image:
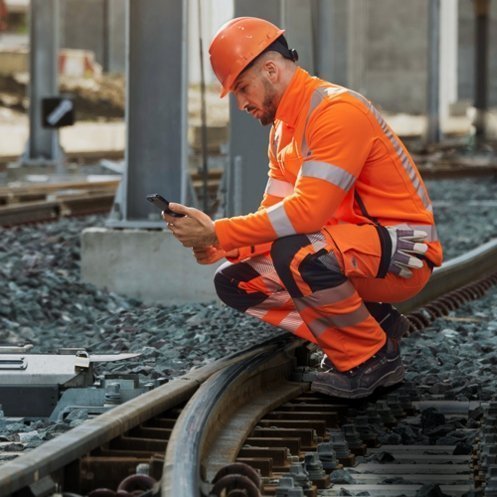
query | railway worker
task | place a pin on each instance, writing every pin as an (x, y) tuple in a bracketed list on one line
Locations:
[(345, 226)]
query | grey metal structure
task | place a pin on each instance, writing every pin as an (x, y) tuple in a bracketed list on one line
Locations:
[(433, 134), (248, 165), (482, 14), (357, 44), (156, 111), (247, 169), (297, 19), (30, 383), (114, 52), (324, 52), (43, 144)]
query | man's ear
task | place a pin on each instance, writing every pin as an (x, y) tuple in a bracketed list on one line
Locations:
[(272, 70)]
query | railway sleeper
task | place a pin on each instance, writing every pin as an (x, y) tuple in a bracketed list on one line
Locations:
[(411, 466)]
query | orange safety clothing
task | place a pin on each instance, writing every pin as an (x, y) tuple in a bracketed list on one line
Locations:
[(237, 43), (311, 289), (332, 159), (315, 255)]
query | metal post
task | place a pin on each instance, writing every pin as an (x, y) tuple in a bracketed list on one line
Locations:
[(116, 34), (296, 17), (105, 35), (248, 139), (324, 51), (357, 20), (43, 144), (156, 116), (433, 99), (482, 9)]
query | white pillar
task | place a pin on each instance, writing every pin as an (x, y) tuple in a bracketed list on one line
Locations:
[(448, 56)]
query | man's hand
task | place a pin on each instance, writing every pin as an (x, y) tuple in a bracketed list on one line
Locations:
[(406, 245), (196, 229), (211, 254), (208, 255)]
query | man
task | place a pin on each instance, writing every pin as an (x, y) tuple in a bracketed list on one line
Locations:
[(345, 226)]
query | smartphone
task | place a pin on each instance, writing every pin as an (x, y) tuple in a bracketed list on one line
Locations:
[(163, 204)]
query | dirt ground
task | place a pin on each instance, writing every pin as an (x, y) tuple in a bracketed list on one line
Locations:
[(94, 99), (103, 98)]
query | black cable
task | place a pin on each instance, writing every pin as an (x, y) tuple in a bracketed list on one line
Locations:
[(203, 118)]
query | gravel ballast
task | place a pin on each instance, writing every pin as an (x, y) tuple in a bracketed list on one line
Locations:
[(43, 302)]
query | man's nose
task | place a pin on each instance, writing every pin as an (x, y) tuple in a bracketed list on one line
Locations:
[(241, 102)]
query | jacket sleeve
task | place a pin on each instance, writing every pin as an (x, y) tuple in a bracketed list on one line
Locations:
[(276, 189), (339, 136)]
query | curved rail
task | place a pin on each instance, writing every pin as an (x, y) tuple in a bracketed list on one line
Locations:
[(455, 273), (214, 405)]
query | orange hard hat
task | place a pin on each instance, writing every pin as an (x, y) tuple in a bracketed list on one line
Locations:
[(237, 44)]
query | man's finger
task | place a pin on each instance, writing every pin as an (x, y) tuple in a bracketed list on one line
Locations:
[(408, 246), (412, 235), (183, 209), (412, 262), (420, 248)]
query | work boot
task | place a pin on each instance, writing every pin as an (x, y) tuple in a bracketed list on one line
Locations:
[(383, 369), (389, 318), (393, 323)]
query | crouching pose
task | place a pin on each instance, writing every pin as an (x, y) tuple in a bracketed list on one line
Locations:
[(345, 227)]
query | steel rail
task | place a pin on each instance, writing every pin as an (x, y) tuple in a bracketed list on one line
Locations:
[(30, 212), (50, 210), (455, 273), (214, 404), (57, 453)]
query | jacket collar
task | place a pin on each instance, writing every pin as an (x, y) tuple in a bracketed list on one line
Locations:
[(293, 98)]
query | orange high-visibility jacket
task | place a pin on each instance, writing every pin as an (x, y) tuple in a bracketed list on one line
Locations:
[(332, 159)]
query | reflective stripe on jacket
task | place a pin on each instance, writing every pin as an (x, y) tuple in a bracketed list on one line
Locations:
[(332, 159)]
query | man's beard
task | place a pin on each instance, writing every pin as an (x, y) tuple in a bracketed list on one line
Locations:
[(268, 105)]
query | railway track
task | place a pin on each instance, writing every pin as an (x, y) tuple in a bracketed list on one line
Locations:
[(248, 425), (21, 205), (46, 202)]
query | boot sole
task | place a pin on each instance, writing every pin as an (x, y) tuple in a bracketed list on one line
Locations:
[(392, 378)]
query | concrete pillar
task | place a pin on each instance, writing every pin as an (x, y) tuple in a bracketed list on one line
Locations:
[(43, 144), (150, 264), (156, 111)]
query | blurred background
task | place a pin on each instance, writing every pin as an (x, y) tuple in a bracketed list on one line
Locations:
[(380, 48)]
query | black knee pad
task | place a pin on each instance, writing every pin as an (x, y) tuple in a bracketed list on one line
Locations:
[(321, 271), (226, 283)]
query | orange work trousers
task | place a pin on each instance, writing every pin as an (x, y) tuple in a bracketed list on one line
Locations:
[(316, 286)]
